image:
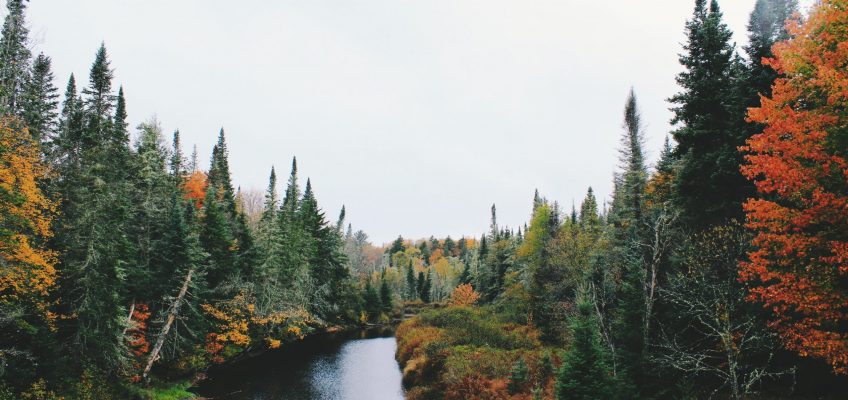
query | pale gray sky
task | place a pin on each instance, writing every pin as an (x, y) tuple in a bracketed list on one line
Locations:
[(417, 115)]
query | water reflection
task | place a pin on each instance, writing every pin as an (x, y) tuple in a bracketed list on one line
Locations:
[(330, 367)]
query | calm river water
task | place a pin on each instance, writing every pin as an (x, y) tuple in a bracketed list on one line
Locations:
[(327, 367)]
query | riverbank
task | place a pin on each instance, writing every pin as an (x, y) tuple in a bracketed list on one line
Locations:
[(459, 353), (327, 365)]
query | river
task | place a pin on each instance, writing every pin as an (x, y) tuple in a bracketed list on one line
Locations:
[(349, 366)]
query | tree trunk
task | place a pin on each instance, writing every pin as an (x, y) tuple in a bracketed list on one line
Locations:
[(172, 315)]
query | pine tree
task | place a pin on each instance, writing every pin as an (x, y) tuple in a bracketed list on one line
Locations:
[(14, 58), (39, 100), (709, 186)]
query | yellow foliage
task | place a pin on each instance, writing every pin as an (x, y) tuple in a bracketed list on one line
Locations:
[(28, 272)]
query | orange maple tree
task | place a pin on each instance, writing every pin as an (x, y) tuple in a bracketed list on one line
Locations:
[(799, 265), (464, 295), (194, 188), (27, 272)]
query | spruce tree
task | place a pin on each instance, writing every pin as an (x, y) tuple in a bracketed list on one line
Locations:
[(709, 187), (14, 57), (39, 100), (153, 190), (94, 235), (584, 374)]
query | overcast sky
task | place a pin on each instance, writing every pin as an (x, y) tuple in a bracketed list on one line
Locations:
[(416, 115)]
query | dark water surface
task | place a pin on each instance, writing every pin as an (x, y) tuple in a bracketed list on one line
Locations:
[(351, 366)]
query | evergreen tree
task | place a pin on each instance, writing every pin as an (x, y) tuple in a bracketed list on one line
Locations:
[(373, 307), (411, 287), (94, 234), (709, 186), (39, 100), (427, 286), (153, 190), (14, 57), (419, 285), (518, 376), (766, 26), (584, 374), (386, 296), (176, 164)]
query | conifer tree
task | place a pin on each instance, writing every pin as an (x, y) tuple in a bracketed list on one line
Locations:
[(584, 374), (411, 289), (94, 234), (766, 26), (153, 190), (386, 296), (14, 57), (39, 100), (709, 186)]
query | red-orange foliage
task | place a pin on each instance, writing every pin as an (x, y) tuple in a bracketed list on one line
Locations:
[(464, 295), (194, 188), (137, 332), (799, 265)]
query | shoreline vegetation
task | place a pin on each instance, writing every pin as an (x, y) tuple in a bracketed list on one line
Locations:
[(720, 271)]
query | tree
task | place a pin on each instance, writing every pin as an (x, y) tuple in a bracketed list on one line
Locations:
[(715, 338), (541, 273), (798, 163), (584, 374), (93, 235), (14, 57), (373, 307), (709, 187), (28, 276), (39, 100), (766, 26), (518, 376), (386, 296), (411, 287), (463, 295)]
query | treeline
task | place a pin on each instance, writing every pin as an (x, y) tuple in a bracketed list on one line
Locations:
[(122, 255), (720, 271)]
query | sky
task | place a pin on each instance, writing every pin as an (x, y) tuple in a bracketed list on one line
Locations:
[(417, 115)]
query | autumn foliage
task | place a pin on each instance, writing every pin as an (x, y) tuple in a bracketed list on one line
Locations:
[(194, 188), (27, 274), (464, 295), (799, 163)]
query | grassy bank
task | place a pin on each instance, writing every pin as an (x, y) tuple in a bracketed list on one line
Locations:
[(469, 352)]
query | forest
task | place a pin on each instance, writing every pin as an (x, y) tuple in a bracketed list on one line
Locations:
[(720, 271)]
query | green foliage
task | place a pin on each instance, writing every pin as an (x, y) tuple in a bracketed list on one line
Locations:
[(518, 376), (585, 373)]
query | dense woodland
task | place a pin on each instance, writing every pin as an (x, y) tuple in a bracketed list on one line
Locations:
[(720, 271)]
